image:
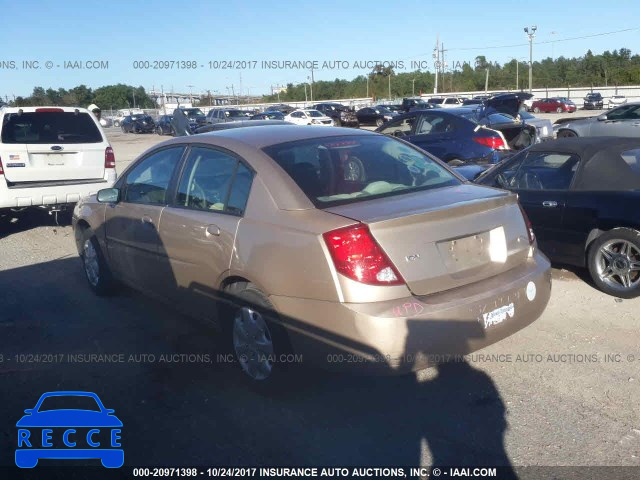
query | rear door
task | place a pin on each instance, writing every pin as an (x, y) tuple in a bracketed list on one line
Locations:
[(50, 144), (197, 232), (435, 133), (131, 225)]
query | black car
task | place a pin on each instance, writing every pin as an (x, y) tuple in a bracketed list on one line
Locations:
[(375, 115), (593, 101), (409, 104), (466, 134), (164, 126), (268, 115), (196, 117), (341, 115), (582, 195), (138, 124), (281, 107)]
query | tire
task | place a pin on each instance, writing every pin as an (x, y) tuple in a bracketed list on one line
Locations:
[(536, 110), (253, 312), (613, 261), (559, 110), (566, 134), (123, 129), (159, 130), (95, 267), (116, 123), (379, 122)]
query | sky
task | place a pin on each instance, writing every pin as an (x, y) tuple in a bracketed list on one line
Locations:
[(129, 38)]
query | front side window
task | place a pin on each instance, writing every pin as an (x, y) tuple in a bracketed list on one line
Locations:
[(628, 112), (350, 169), (148, 181), (207, 179), (539, 171), (403, 126)]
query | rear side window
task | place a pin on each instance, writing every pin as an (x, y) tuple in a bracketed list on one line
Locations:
[(50, 127), (349, 169)]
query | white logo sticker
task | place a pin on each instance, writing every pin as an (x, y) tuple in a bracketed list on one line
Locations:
[(498, 315), (531, 291)]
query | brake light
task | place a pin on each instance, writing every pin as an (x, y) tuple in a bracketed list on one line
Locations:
[(357, 255), (45, 110), (527, 222), (494, 142), (109, 158), (1, 170)]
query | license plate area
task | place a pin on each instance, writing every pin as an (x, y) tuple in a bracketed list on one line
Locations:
[(465, 253)]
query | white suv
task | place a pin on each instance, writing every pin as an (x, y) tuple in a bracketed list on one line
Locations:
[(52, 156)]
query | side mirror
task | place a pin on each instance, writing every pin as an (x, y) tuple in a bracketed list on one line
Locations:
[(602, 117), (108, 195)]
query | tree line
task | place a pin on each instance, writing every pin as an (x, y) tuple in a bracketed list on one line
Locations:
[(107, 97)]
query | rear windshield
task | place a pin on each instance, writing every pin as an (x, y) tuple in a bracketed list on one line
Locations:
[(338, 170), (50, 127)]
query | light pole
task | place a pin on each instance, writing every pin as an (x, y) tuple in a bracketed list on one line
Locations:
[(190, 94), (413, 87), (530, 32)]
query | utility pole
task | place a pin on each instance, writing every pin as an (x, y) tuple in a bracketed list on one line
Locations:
[(486, 82), (443, 64), (311, 86), (413, 87), (530, 32), (305, 93), (389, 85), (436, 57)]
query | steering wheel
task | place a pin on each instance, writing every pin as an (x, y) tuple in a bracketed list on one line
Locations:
[(354, 170), (199, 200)]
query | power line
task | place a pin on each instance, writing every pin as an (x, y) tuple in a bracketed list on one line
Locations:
[(535, 43)]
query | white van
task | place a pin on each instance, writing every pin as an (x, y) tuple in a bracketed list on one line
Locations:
[(52, 156)]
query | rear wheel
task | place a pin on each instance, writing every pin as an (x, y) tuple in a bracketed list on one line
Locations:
[(614, 262), (566, 134), (257, 337), (116, 123), (559, 109), (95, 267), (536, 110), (159, 130)]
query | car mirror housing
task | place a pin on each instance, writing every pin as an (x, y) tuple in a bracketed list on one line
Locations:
[(108, 195), (602, 117)]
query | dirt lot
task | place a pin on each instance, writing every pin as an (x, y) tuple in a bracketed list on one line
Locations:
[(561, 392)]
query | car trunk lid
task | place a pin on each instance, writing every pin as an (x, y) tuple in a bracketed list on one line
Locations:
[(446, 238)]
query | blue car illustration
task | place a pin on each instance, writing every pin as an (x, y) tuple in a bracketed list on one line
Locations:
[(51, 430)]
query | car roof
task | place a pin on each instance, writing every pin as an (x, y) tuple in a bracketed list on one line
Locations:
[(33, 109), (264, 136)]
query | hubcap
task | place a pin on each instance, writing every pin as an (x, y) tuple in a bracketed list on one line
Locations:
[(618, 265), (91, 267), (252, 343)]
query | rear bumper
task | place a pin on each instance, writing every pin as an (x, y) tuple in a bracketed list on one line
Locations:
[(29, 196), (398, 336)]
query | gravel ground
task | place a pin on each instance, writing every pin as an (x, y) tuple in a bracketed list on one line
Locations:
[(561, 392)]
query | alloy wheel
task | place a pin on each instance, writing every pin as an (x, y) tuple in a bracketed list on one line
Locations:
[(618, 264)]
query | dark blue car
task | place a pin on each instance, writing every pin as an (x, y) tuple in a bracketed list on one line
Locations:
[(69, 425), (478, 134)]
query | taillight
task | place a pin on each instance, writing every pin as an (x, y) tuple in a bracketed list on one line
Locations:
[(109, 158), (357, 256), (1, 170), (494, 142), (49, 110), (527, 222)]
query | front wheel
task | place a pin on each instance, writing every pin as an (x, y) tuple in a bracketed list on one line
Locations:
[(95, 267), (614, 262), (536, 110), (379, 122)]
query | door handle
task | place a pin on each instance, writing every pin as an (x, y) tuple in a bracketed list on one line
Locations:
[(146, 219), (212, 230), (549, 203)]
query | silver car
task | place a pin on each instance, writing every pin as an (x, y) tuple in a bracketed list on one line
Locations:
[(623, 121)]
